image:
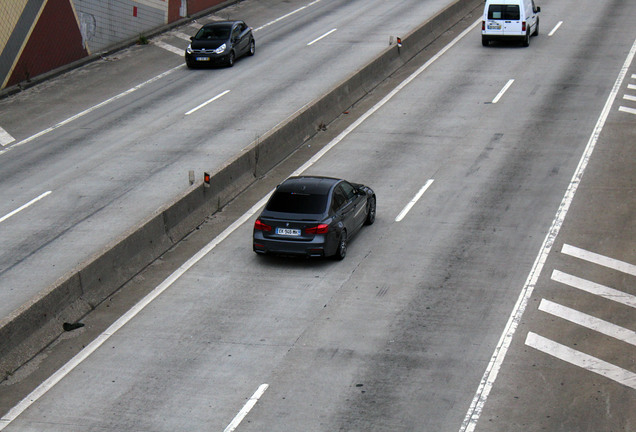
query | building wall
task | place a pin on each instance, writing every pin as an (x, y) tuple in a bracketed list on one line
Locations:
[(37, 36)]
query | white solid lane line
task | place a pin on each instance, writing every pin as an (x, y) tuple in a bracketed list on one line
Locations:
[(594, 288), (33, 201), (415, 199), (599, 259), (50, 382), (629, 97), (588, 321), (247, 408), (556, 27), (321, 37), (631, 86), (220, 95), (627, 110), (5, 138), (503, 90), (583, 360)]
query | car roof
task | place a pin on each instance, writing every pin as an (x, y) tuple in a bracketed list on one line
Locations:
[(308, 184)]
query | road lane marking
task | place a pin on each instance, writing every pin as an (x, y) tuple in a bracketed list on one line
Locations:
[(247, 408), (556, 27), (631, 86), (207, 102), (627, 110), (415, 199), (594, 288), (503, 90), (602, 260), (50, 382), (588, 321), (30, 203), (93, 108), (498, 356), (583, 360), (5, 138), (137, 87), (287, 15), (182, 35), (168, 47), (629, 97), (321, 37)]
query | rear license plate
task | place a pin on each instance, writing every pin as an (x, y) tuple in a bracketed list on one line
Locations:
[(288, 231), (494, 26), (203, 58)]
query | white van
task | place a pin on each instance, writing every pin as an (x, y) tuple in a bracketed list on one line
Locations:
[(509, 20)]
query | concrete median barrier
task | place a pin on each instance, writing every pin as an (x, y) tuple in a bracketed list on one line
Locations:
[(36, 324)]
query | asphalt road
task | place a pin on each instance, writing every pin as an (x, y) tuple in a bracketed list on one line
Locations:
[(97, 151), (457, 316)]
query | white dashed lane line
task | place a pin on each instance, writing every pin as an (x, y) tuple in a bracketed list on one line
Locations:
[(30, 203), (322, 37), (556, 27), (503, 90)]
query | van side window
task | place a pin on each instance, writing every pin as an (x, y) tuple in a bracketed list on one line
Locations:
[(505, 12)]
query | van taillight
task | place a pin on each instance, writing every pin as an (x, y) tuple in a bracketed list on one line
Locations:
[(483, 25), (260, 226), (319, 229), (523, 26)]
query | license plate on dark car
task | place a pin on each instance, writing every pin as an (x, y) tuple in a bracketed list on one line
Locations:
[(203, 58), (288, 231)]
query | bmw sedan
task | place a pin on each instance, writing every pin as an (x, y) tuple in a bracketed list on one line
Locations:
[(313, 216), (220, 43)]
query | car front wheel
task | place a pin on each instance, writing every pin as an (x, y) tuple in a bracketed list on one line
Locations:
[(252, 49), (230, 59), (371, 212)]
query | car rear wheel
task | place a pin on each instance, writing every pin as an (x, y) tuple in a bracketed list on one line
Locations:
[(252, 49), (526, 40), (485, 41), (341, 252), (536, 29), (371, 212)]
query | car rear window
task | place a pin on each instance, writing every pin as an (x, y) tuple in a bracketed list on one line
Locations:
[(505, 12), (293, 202)]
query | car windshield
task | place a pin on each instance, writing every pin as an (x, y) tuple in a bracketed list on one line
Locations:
[(293, 202), (213, 33)]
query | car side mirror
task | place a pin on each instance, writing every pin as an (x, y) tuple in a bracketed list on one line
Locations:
[(538, 9), (191, 38)]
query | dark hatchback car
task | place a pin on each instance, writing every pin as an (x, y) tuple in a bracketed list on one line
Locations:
[(313, 216), (220, 43)]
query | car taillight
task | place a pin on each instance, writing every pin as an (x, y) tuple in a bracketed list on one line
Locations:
[(258, 225), (319, 229), (523, 26), (483, 25)]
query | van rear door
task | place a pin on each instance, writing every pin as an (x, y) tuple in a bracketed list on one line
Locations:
[(504, 19)]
